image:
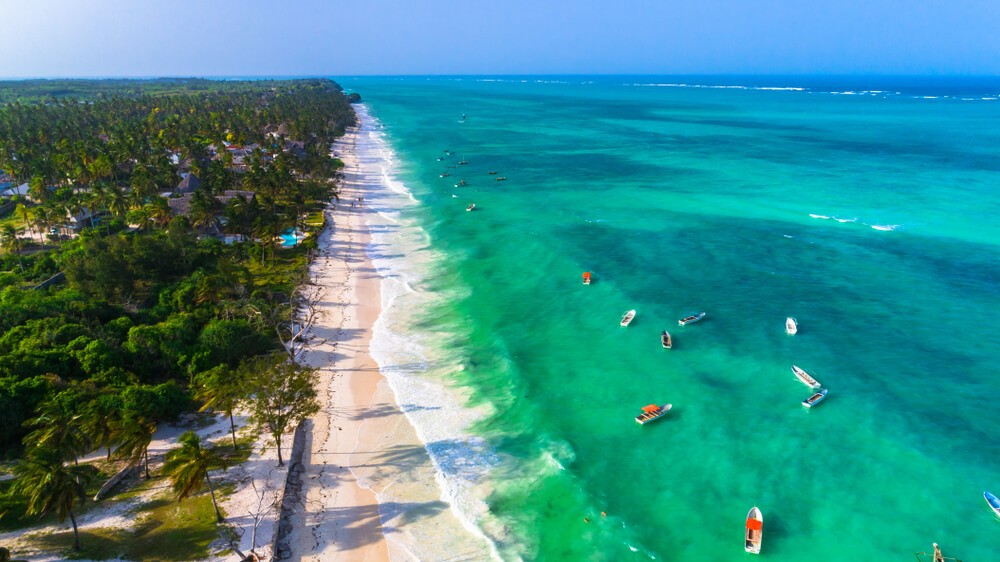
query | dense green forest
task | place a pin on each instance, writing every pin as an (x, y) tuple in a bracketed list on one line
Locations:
[(149, 304)]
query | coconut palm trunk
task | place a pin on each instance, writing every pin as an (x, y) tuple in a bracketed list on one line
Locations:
[(211, 490), (76, 531)]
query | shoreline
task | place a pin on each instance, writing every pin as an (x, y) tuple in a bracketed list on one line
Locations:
[(361, 443)]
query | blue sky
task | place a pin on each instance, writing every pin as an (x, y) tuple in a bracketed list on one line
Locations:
[(351, 37)]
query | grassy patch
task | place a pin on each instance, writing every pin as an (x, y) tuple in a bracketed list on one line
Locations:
[(165, 530), (235, 456), (13, 507), (315, 219)]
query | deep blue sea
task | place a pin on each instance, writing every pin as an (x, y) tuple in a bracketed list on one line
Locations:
[(866, 208)]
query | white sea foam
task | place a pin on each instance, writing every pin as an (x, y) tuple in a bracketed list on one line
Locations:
[(815, 216), (855, 219), (415, 368), (718, 86), (886, 226)]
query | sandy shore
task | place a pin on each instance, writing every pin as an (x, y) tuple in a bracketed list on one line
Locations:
[(361, 443)]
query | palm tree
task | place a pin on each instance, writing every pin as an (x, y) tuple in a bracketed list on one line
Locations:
[(222, 389), (51, 485), (22, 211), (188, 468), (11, 243), (58, 429), (134, 436)]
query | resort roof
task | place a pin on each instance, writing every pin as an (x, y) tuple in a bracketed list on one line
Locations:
[(189, 184)]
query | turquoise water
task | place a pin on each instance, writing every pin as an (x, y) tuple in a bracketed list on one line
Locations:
[(868, 216)]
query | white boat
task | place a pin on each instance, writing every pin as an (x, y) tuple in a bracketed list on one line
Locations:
[(755, 530), (652, 412), (627, 319), (470, 207), (690, 319), (586, 278), (665, 340), (816, 398), (993, 502), (805, 377), (791, 325)]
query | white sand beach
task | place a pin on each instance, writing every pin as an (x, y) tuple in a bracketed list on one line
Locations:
[(361, 443)]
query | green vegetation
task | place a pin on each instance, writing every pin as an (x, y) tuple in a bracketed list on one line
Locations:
[(165, 530), (152, 305), (188, 466)]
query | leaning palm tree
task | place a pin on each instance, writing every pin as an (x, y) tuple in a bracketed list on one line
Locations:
[(134, 436), (51, 485), (188, 466)]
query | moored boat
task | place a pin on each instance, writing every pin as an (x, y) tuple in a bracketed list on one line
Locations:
[(665, 340), (816, 398), (627, 319), (690, 319), (755, 530), (445, 174), (492, 172), (470, 207), (791, 325), (462, 183), (993, 502), (652, 412), (586, 278), (501, 178), (805, 377)]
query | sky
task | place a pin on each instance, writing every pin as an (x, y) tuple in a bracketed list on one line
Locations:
[(84, 38)]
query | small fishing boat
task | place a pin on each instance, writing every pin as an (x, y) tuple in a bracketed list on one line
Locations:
[(444, 175), (627, 319), (805, 377), (690, 319), (652, 412), (440, 158), (462, 183), (665, 340), (470, 207), (816, 398), (791, 325), (938, 555), (492, 173), (993, 502), (755, 530), (586, 278), (462, 162), (501, 178)]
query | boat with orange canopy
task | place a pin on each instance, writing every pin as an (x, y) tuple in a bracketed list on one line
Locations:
[(755, 530), (652, 412), (586, 278)]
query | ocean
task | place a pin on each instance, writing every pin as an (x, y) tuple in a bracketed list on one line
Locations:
[(866, 208)]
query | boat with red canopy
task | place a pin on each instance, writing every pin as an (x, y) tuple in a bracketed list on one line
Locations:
[(586, 278), (755, 530), (652, 412)]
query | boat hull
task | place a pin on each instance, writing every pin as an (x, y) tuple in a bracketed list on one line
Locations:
[(791, 326), (805, 377), (816, 398), (754, 531), (690, 319), (647, 417), (993, 502), (627, 319), (665, 340)]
